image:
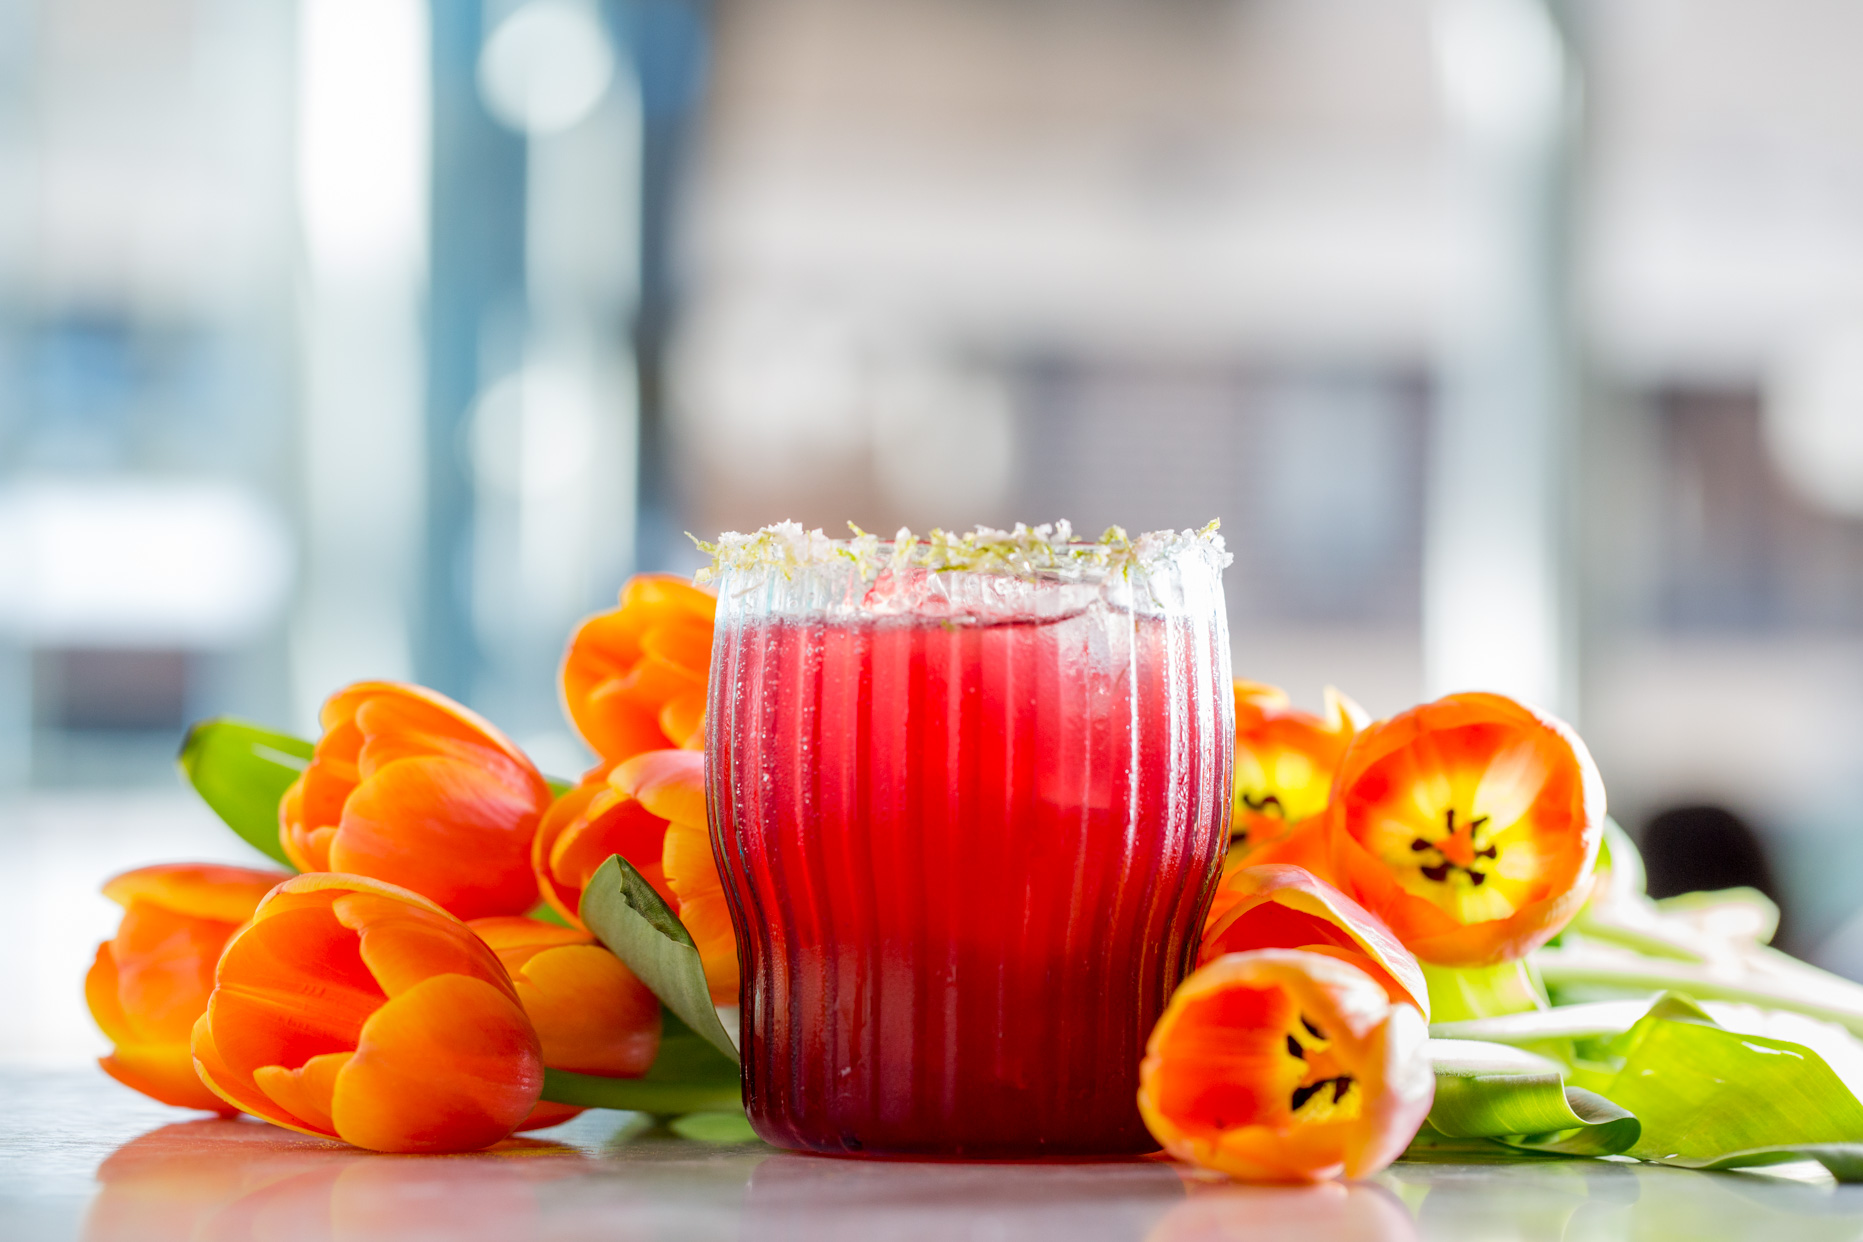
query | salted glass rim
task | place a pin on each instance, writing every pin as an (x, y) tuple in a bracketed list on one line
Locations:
[(1049, 552)]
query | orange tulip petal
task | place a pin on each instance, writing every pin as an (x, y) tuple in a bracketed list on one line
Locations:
[(1287, 907), (617, 825), (404, 945), (517, 934), (163, 1072), (682, 720), (446, 829), (307, 848), (670, 783), (233, 1085), (592, 1015), (567, 812), (692, 874), (684, 642), (101, 995), (653, 681), (451, 1064), (305, 1092), (164, 969), (615, 725), (291, 986), (670, 593), (201, 890)]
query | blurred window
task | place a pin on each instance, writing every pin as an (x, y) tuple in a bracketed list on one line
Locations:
[(1316, 472), (1741, 551)]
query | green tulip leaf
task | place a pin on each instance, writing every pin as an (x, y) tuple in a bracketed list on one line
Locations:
[(1843, 1161), (1513, 1097), (1593, 1020), (242, 770), (622, 909), (1707, 1095)]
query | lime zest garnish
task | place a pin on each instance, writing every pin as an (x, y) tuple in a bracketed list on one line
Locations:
[(1043, 551)]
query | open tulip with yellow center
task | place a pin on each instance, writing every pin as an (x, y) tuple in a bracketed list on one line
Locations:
[(1469, 826), (1278, 1065), (1285, 761)]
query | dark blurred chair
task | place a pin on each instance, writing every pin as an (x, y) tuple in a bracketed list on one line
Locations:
[(1701, 848)]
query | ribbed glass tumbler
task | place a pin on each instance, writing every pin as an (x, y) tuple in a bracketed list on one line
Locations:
[(969, 812)]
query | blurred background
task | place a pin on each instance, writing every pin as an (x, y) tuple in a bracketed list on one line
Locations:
[(1517, 344)]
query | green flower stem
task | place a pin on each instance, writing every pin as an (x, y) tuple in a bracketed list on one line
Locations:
[(1458, 994), (1757, 979), (662, 1099)]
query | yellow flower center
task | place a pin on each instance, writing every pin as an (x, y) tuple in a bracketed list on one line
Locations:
[(1325, 1092)]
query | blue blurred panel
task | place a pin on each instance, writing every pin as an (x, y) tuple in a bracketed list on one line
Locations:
[(667, 42), (477, 279)]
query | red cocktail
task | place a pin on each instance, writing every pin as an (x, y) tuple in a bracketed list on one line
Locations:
[(969, 819)]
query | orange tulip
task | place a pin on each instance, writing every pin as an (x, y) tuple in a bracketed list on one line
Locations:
[(1283, 907), (150, 983), (634, 677), (1285, 760), (409, 787), (1469, 825), (1282, 1066), (357, 1010)]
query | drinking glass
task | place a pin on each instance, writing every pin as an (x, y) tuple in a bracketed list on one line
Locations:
[(969, 800)]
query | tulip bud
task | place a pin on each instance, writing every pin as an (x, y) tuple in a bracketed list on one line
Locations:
[(411, 788), (634, 677), (357, 1010), (150, 983)]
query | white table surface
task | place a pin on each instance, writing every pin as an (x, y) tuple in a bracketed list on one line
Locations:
[(81, 1157)]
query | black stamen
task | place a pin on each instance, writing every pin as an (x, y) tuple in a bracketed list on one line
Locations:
[(1451, 817), (1311, 1029), (1476, 823), (1477, 878), (1439, 873), (1266, 801), (1419, 845), (1340, 1085), (1493, 851), (1294, 1049)]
